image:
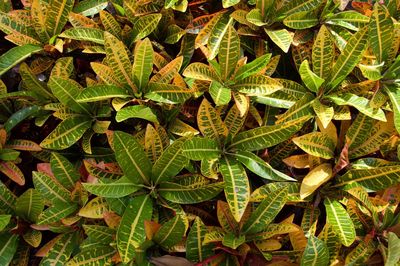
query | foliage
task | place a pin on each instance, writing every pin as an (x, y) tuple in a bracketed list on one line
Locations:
[(205, 132)]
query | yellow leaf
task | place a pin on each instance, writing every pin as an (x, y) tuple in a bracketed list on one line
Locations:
[(314, 179)]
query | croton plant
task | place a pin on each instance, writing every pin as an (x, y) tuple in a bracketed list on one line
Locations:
[(204, 132)]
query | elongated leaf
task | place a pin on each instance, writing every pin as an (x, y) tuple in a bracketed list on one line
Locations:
[(266, 212), (95, 209), (145, 25), (132, 158), (90, 7), (31, 82), (29, 205), (317, 144), (170, 232), (62, 249), (315, 253), (7, 199), (219, 94), (4, 220), (323, 53), (217, 34), (195, 250), (167, 93), (314, 179), (67, 91), (380, 32), (201, 148), (237, 187), (118, 59), (56, 213), (200, 71), (340, 221), (298, 6), (67, 133), (229, 52), (57, 15), (84, 34), (351, 20), (324, 113), (282, 38), (301, 20), (394, 96), (117, 189), (49, 188), (361, 253), (209, 122), (393, 245), (190, 190), (170, 163), (16, 55), (266, 136), (63, 170), (136, 111), (373, 178), (349, 58), (360, 103), (143, 64), (101, 92), (257, 85), (234, 120), (101, 255), (9, 247), (131, 232), (252, 68), (19, 116), (260, 167), (310, 79)]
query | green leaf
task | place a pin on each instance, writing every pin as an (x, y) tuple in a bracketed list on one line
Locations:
[(340, 221), (170, 233), (323, 53), (257, 85), (232, 241), (145, 25), (143, 64), (393, 256), (301, 20), (323, 112), (372, 178), (361, 253), (118, 60), (132, 158), (237, 187), (97, 93), (170, 163), (217, 35), (16, 55), (64, 171), (29, 205), (190, 189), (57, 15), (349, 58), (101, 255), (351, 20), (301, 109), (167, 93), (118, 189), (19, 116), (99, 233), (394, 96), (315, 253), (56, 213), (136, 111), (49, 188), (220, 94), (266, 136), (9, 244), (254, 67), (131, 231), (90, 7), (310, 79), (62, 249), (266, 212), (317, 144), (360, 103), (380, 32), (31, 82), (229, 52), (201, 148), (296, 6), (4, 221), (195, 250), (67, 133), (260, 167), (84, 34), (282, 38), (67, 91), (200, 71), (7, 199)]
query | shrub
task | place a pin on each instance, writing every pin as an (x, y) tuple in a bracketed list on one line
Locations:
[(206, 132)]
